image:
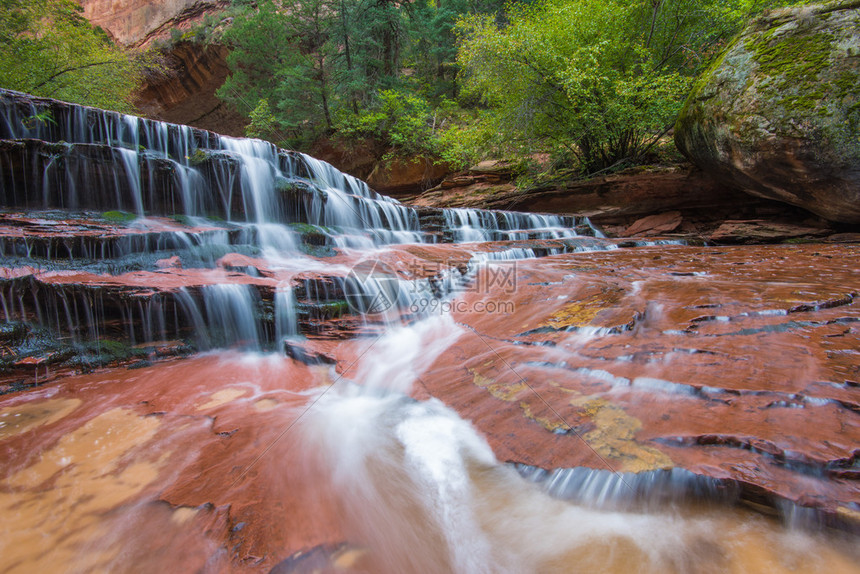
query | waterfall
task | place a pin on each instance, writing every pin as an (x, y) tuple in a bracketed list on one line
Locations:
[(226, 195), (178, 170), (347, 314), (468, 225), (286, 320)]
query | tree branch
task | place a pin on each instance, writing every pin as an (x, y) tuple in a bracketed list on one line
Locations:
[(71, 69)]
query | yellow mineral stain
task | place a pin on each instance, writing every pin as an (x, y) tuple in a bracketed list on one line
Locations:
[(349, 558), (54, 510), (264, 405), (552, 424), (615, 436), (510, 392), (221, 397), (503, 391), (22, 418), (583, 312)]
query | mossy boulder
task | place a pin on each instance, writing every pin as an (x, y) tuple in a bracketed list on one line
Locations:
[(778, 114)]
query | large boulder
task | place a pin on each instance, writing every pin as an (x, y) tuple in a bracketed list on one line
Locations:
[(403, 177), (778, 114)]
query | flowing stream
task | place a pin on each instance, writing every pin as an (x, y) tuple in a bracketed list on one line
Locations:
[(423, 491), (337, 457)]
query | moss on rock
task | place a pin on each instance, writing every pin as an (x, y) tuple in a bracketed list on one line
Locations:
[(777, 114)]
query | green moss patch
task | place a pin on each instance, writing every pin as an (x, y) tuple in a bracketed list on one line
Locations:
[(119, 216)]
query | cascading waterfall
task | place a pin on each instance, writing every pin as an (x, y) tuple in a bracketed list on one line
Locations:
[(198, 168), (469, 225), (246, 195), (235, 243), (171, 169)]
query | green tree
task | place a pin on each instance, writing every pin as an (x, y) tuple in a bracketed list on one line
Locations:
[(263, 123), (686, 34), (286, 54), (329, 66), (566, 77), (594, 83), (48, 48), (431, 50), (402, 122)]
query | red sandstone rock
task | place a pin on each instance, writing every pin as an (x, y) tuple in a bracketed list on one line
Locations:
[(131, 22), (733, 363), (169, 263), (185, 93), (697, 343), (615, 201), (398, 176), (655, 224), (759, 231)]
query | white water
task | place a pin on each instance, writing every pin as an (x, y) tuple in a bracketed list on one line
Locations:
[(240, 180), (422, 492)]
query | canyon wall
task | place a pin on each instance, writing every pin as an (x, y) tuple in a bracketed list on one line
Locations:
[(185, 92)]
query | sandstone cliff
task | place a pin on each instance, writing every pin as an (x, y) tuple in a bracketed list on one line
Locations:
[(185, 93)]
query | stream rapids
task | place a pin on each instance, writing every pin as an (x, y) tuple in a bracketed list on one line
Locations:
[(311, 377)]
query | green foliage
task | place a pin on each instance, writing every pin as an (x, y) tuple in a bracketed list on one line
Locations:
[(47, 48), (263, 122), (44, 117), (594, 83), (324, 65), (199, 157), (565, 78), (286, 57), (403, 122)]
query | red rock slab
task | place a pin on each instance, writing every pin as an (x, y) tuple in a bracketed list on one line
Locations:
[(34, 224), (762, 231), (716, 360), (16, 272), (655, 224), (162, 280), (173, 466)]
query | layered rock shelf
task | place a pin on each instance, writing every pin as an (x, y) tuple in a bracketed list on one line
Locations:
[(250, 362)]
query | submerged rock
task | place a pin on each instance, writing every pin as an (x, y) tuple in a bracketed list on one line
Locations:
[(778, 114)]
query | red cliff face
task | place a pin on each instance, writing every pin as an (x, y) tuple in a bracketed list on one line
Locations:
[(185, 94), (134, 23)]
